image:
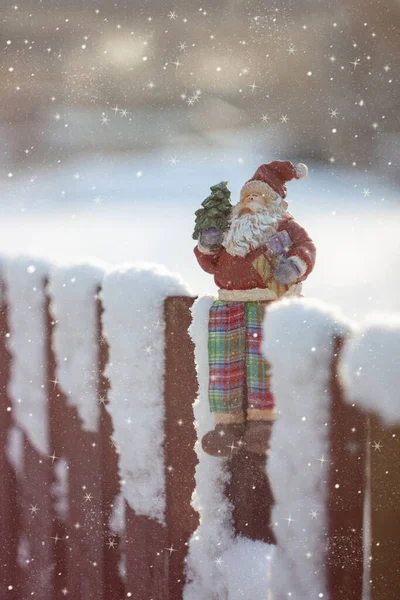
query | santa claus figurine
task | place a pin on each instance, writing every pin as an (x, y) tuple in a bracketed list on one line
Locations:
[(263, 256)]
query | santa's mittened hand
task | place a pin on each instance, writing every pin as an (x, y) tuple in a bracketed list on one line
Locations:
[(286, 271), (211, 238)]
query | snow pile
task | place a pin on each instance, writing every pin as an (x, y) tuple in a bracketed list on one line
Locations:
[(369, 367), (246, 567), (27, 344), (206, 579), (298, 336), (133, 322), (73, 307)]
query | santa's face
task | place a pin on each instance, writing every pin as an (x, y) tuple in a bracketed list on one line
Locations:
[(255, 202), (254, 220)]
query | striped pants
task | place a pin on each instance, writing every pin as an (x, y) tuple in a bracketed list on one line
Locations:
[(238, 373)]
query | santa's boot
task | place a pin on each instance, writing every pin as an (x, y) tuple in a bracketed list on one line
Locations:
[(258, 430), (226, 438)]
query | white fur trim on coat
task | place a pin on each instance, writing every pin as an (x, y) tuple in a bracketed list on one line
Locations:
[(252, 295), (258, 187), (299, 262), (256, 294)]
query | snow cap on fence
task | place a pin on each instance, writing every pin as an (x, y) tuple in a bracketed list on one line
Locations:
[(133, 321), (73, 306), (214, 535), (369, 367), (26, 299), (298, 342)]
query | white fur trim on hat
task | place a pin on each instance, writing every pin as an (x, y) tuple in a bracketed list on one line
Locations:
[(258, 187), (301, 170)]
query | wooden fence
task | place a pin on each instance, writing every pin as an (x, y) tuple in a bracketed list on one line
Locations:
[(79, 557)]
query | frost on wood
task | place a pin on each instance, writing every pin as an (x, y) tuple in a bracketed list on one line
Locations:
[(117, 524), (298, 341), (74, 310), (117, 518), (133, 322), (15, 449), (369, 367), (24, 554), (59, 489), (27, 344), (205, 577)]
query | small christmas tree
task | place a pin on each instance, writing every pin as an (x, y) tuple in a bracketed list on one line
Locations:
[(216, 211)]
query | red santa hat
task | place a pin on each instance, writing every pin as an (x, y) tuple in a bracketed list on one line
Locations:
[(273, 176)]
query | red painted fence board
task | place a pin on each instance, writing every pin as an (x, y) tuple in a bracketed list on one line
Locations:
[(113, 586), (385, 513), (9, 508), (346, 491), (180, 437)]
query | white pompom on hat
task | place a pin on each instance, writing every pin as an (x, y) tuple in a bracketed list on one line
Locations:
[(301, 170)]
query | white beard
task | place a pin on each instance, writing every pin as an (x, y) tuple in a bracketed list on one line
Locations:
[(252, 230)]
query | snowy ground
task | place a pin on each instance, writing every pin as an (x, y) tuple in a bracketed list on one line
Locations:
[(140, 209)]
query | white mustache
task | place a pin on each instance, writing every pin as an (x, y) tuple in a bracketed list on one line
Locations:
[(250, 230)]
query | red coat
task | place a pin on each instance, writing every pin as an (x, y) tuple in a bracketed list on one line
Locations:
[(255, 270)]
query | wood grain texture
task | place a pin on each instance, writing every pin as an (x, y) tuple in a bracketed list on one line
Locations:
[(346, 492)]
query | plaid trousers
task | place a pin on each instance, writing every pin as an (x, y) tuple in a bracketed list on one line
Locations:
[(237, 368)]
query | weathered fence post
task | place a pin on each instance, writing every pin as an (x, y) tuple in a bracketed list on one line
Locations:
[(346, 492), (156, 554), (114, 588), (35, 510), (59, 423), (385, 510), (180, 437), (9, 518), (251, 496), (81, 547)]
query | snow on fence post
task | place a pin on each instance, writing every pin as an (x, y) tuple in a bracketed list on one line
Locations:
[(27, 387), (317, 460), (133, 324), (73, 361), (9, 522)]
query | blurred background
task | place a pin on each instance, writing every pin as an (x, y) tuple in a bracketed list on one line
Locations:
[(118, 116)]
